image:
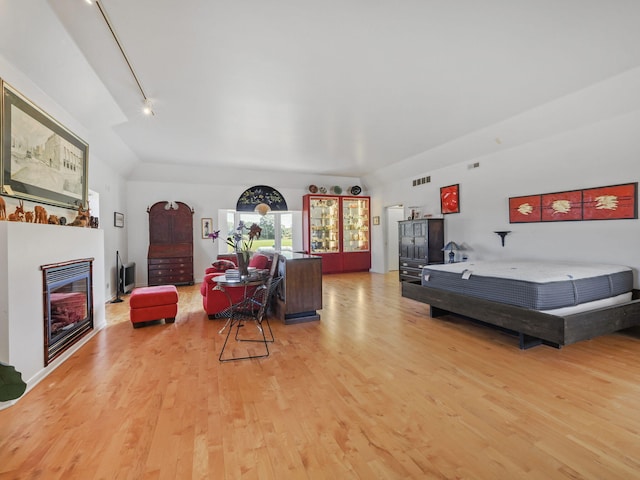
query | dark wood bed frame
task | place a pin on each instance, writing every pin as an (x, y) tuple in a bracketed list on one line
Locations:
[(532, 327)]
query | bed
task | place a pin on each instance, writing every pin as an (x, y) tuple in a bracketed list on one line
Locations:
[(543, 303)]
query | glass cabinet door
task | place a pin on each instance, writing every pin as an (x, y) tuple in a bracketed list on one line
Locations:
[(355, 224), (323, 224)]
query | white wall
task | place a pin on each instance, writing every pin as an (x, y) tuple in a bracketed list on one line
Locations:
[(602, 153), (113, 194), (24, 248)]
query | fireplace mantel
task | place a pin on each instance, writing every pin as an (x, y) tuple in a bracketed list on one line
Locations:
[(24, 247)]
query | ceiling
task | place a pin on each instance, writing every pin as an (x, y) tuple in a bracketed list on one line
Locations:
[(338, 87)]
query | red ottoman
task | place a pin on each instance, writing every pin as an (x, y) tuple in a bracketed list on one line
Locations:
[(153, 303)]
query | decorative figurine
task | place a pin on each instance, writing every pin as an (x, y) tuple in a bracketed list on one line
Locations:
[(41, 214), (82, 219), (18, 215)]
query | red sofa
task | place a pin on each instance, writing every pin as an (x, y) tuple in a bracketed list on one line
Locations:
[(216, 301)]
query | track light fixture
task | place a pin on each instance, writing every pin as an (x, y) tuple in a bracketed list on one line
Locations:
[(147, 108)]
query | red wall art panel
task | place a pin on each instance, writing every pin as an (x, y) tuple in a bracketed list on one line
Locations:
[(450, 199), (525, 209), (562, 206), (612, 202)]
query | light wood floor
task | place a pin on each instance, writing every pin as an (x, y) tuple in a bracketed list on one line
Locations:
[(375, 390)]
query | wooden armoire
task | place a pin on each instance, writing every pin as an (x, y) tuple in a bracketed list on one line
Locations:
[(170, 255), (420, 242)]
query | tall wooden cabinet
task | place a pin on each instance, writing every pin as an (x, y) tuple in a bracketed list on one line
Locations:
[(170, 255), (337, 228), (420, 244)]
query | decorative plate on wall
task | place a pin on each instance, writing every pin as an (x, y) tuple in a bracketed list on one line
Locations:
[(355, 190)]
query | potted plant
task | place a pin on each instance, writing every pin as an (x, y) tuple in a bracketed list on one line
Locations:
[(11, 384)]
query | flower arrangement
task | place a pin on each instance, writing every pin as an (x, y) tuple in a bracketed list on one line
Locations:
[(213, 235), (242, 244)]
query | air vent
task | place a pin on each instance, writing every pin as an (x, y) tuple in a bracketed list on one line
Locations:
[(421, 181), (474, 165)]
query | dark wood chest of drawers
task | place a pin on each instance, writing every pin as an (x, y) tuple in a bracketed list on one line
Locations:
[(170, 264)]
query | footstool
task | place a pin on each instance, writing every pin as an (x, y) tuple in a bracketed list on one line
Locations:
[(153, 303)]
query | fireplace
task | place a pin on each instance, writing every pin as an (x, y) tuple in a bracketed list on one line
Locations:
[(68, 304)]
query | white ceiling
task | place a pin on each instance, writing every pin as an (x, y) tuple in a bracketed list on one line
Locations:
[(338, 87)]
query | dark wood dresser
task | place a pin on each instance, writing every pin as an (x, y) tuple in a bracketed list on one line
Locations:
[(170, 255)]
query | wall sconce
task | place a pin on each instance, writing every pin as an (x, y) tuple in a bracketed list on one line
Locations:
[(503, 234), (452, 247)]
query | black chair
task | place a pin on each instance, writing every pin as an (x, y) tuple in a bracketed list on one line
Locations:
[(253, 309)]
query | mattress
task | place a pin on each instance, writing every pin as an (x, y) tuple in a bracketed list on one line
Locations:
[(534, 285)]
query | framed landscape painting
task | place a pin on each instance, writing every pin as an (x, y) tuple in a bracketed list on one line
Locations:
[(118, 219), (41, 160)]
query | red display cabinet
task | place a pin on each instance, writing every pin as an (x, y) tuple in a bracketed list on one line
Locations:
[(337, 228)]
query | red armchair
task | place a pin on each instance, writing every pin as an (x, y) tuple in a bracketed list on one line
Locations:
[(216, 301)]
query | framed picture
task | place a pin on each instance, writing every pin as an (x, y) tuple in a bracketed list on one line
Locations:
[(207, 227), (450, 199), (41, 160), (376, 220), (562, 206), (611, 203), (525, 209), (118, 219)]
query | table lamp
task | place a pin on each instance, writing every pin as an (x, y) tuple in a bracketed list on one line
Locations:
[(452, 247)]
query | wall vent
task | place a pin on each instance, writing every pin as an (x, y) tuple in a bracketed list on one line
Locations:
[(421, 181)]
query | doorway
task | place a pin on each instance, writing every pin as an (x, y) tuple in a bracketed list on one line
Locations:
[(395, 213)]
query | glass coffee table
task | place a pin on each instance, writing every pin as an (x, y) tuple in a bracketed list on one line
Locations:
[(223, 283)]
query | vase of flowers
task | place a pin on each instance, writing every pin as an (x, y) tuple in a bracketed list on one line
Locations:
[(241, 243)]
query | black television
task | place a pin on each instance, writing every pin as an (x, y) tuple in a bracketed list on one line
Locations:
[(127, 277)]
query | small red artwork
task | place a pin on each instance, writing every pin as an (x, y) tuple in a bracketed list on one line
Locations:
[(612, 202), (525, 209), (450, 199), (562, 206)]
